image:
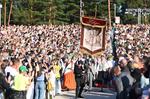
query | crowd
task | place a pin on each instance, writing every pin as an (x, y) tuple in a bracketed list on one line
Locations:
[(132, 69), (45, 52), (41, 61), (133, 39)]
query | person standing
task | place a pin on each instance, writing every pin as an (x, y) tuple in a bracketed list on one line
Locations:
[(69, 77), (31, 73), (91, 74), (57, 69), (12, 70), (78, 70), (21, 83), (118, 82), (40, 82), (51, 80), (4, 82)]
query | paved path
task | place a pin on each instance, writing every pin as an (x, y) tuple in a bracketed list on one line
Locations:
[(94, 94)]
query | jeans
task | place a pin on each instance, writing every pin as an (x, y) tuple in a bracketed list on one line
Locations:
[(40, 90), (1, 96), (58, 86)]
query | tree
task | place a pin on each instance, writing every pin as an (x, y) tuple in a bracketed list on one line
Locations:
[(57, 12), (71, 11), (10, 11), (4, 3), (98, 7), (63, 11), (31, 12)]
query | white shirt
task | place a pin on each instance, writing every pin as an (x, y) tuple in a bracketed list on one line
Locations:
[(13, 72), (110, 63)]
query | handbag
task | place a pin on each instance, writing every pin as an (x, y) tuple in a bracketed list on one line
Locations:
[(49, 86)]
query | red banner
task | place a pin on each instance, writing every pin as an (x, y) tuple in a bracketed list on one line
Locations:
[(94, 21)]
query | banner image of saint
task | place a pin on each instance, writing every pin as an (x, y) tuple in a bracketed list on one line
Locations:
[(93, 35), (92, 38)]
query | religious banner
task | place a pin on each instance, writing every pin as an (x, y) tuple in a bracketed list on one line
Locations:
[(93, 35)]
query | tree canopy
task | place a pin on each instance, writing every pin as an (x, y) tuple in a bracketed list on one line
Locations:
[(31, 12)]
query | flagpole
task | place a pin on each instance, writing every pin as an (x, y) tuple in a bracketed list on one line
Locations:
[(81, 10)]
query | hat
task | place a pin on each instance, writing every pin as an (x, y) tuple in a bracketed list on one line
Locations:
[(23, 69)]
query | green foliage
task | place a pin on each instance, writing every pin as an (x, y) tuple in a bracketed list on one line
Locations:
[(98, 7), (66, 11)]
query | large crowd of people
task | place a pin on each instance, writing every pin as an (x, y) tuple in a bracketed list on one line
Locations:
[(38, 62), (133, 39), (44, 51), (133, 52)]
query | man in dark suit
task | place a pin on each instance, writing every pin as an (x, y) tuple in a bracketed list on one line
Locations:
[(79, 77)]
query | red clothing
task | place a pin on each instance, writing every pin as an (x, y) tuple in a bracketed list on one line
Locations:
[(69, 81)]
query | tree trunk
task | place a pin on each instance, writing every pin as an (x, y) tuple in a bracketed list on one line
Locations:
[(30, 11), (109, 14), (10, 12), (50, 12), (145, 17), (4, 1)]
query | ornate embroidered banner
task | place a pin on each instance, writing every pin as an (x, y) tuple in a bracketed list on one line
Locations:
[(93, 35)]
